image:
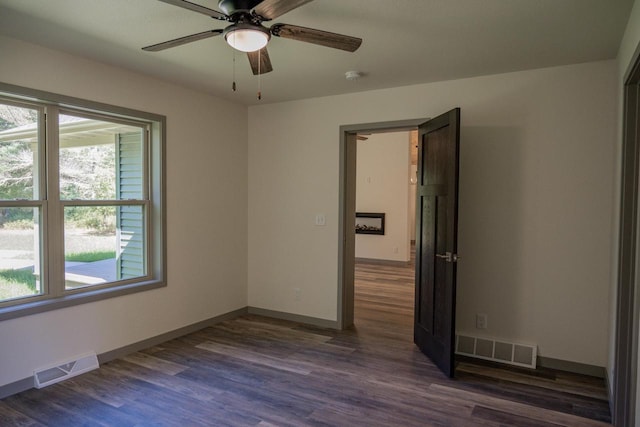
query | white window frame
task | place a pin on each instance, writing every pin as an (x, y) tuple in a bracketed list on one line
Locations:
[(54, 295)]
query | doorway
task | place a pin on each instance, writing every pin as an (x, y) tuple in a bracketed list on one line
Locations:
[(346, 252), (436, 234), (384, 283)]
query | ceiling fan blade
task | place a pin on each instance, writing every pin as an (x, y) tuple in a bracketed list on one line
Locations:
[(260, 57), (182, 40), (271, 9), (197, 8), (323, 38)]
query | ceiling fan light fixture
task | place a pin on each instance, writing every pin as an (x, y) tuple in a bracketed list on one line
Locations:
[(247, 38)]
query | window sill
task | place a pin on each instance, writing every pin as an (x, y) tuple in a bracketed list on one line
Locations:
[(44, 305)]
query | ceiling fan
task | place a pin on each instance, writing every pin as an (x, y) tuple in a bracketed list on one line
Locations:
[(246, 32)]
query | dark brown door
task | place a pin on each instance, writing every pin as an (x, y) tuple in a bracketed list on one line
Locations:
[(436, 239)]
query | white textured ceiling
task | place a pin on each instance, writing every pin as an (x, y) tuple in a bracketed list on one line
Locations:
[(405, 41)]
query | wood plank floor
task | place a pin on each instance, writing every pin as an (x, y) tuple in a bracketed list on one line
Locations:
[(386, 294), (254, 371)]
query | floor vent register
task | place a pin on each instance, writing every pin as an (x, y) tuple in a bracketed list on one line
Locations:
[(497, 351), (53, 374)]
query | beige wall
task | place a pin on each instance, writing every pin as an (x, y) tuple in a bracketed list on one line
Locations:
[(206, 210), (382, 185), (535, 201)]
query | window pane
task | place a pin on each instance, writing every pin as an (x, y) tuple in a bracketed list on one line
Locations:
[(18, 152), (103, 244), (19, 253), (100, 160)]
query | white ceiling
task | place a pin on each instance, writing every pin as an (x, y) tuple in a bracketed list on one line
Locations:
[(405, 41)]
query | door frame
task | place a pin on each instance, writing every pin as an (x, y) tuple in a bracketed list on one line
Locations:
[(625, 365), (347, 208)]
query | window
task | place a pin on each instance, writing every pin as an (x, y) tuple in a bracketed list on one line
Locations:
[(81, 201)]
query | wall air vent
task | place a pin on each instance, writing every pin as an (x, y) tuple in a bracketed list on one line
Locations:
[(53, 374), (497, 350)]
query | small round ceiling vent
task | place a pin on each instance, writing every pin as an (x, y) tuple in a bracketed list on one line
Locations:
[(353, 75)]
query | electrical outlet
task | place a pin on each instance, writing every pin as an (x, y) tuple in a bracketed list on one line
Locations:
[(481, 321), (321, 220), (395, 249), (296, 294)]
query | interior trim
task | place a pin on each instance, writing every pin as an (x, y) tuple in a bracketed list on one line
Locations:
[(625, 363), (157, 274), (347, 207), (176, 333), (16, 387), (299, 318), (27, 383), (376, 261), (573, 367)]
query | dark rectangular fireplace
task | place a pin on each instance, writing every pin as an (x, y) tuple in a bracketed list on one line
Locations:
[(369, 223)]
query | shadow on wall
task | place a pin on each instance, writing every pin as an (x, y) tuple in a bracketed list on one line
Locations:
[(490, 231)]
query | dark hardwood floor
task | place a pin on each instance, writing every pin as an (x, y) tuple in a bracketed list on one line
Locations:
[(385, 294), (255, 371)]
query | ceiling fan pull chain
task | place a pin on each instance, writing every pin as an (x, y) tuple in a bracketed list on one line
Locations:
[(233, 86), (259, 75)]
